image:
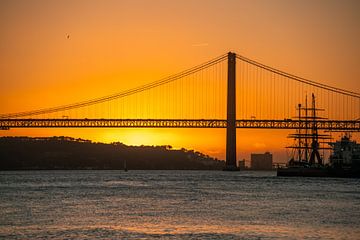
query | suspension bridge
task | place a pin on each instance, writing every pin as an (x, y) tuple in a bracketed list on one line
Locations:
[(230, 91)]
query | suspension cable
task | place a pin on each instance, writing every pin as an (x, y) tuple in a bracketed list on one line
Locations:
[(299, 79), (120, 94)]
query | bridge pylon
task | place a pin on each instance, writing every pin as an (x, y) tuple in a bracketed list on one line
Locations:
[(230, 164)]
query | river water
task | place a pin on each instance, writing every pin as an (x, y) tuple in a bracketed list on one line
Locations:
[(176, 205)]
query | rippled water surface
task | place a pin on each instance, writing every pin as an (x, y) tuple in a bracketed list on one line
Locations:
[(176, 205)]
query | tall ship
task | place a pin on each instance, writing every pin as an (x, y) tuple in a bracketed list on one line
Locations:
[(306, 160)]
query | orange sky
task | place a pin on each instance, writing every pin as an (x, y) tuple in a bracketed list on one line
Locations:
[(116, 45)]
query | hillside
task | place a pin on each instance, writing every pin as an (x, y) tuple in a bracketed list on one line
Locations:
[(24, 153)]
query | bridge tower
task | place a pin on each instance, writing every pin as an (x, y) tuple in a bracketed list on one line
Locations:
[(231, 115)]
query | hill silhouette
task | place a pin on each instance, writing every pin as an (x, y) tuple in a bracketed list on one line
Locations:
[(25, 153)]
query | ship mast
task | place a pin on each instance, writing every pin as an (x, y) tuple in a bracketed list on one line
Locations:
[(307, 153), (299, 135), (315, 137), (306, 131)]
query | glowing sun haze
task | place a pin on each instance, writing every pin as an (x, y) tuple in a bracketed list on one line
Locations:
[(59, 52)]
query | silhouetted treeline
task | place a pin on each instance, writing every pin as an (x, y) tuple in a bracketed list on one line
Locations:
[(24, 153)]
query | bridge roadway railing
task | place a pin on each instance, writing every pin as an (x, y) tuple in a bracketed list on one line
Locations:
[(335, 125)]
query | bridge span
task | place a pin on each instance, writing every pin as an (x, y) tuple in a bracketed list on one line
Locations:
[(230, 92), (330, 125)]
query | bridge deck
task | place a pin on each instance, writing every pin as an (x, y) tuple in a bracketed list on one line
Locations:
[(336, 125)]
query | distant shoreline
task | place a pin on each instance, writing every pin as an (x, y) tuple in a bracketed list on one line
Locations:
[(122, 170), (66, 153)]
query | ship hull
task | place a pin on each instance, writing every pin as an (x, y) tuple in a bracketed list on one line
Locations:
[(317, 172), (302, 172)]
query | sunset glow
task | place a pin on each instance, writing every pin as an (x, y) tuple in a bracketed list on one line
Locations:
[(60, 52)]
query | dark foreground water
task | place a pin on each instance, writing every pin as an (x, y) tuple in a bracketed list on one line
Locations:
[(176, 205)]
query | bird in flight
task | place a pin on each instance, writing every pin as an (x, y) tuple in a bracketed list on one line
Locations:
[(68, 36)]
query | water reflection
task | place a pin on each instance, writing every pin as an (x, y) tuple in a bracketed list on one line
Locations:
[(176, 204)]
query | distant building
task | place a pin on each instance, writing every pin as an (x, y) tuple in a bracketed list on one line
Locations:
[(241, 164), (261, 161)]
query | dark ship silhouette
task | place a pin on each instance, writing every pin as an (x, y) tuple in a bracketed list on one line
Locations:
[(306, 160)]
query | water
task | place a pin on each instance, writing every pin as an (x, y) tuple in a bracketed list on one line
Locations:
[(176, 205)]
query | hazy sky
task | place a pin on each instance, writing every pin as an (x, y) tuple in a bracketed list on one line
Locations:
[(115, 45)]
